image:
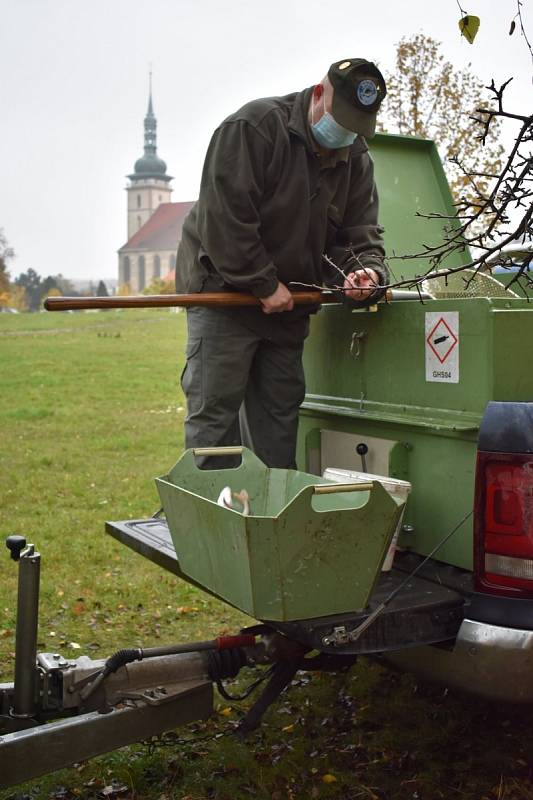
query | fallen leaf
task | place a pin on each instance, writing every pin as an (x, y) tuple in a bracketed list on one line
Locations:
[(288, 729), (226, 712), (5, 633), (60, 793), (112, 789), (74, 645), (329, 778)]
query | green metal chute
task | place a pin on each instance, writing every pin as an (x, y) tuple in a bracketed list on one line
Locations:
[(302, 552)]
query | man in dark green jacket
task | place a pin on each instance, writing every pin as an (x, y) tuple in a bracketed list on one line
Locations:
[(287, 200)]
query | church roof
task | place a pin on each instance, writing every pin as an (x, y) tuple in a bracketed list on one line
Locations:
[(163, 229)]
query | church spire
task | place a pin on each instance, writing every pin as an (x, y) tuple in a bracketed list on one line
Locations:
[(150, 106), (150, 165), (150, 126)]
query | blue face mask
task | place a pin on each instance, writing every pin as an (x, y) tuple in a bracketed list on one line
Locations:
[(330, 134)]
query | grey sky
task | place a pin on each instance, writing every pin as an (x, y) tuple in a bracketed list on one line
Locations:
[(74, 86)]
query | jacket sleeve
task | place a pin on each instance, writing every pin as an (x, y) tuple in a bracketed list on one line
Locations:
[(228, 208), (359, 234)]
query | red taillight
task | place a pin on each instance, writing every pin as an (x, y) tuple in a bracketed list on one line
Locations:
[(503, 528), (504, 498)]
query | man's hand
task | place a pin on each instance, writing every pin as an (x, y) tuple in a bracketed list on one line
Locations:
[(281, 300), (363, 281)]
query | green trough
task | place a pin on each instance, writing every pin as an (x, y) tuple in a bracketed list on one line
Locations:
[(308, 548)]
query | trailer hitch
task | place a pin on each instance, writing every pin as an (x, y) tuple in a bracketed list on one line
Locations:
[(123, 657), (92, 707)]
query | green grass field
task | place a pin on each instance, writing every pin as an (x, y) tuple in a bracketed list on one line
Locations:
[(91, 410)]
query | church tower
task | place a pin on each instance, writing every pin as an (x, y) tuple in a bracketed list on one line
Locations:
[(154, 222), (149, 184)]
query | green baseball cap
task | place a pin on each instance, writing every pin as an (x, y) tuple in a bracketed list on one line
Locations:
[(358, 91)]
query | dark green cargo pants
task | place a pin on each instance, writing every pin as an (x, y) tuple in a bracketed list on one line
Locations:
[(242, 388)]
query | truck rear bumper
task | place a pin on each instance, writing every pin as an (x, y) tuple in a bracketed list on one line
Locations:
[(491, 661)]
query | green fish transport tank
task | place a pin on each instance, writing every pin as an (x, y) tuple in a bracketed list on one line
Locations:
[(408, 382)]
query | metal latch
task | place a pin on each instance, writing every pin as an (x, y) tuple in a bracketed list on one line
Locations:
[(339, 637), (356, 343)]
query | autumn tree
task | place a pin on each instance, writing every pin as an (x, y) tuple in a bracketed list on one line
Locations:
[(47, 286), (493, 216), (428, 97), (32, 283), (6, 254), (123, 290), (18, 298), (160, 286), (64, 285)]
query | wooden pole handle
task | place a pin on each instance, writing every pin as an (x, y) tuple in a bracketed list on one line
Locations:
[(204, 299)]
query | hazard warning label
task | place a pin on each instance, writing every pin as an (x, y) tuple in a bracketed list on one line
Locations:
[(442, 346)]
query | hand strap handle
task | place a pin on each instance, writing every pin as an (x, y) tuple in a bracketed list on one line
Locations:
[(217, 451), (332, 488)]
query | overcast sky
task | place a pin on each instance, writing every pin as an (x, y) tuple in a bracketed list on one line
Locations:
[(74, 90)]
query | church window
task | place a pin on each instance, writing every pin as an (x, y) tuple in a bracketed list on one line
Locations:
[(157, 267), (138, 223), (126, 270), (138, 201), (142, 273), (172, 262)]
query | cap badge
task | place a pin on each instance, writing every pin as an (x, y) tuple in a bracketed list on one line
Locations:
[(367, 92), (345, 65)]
